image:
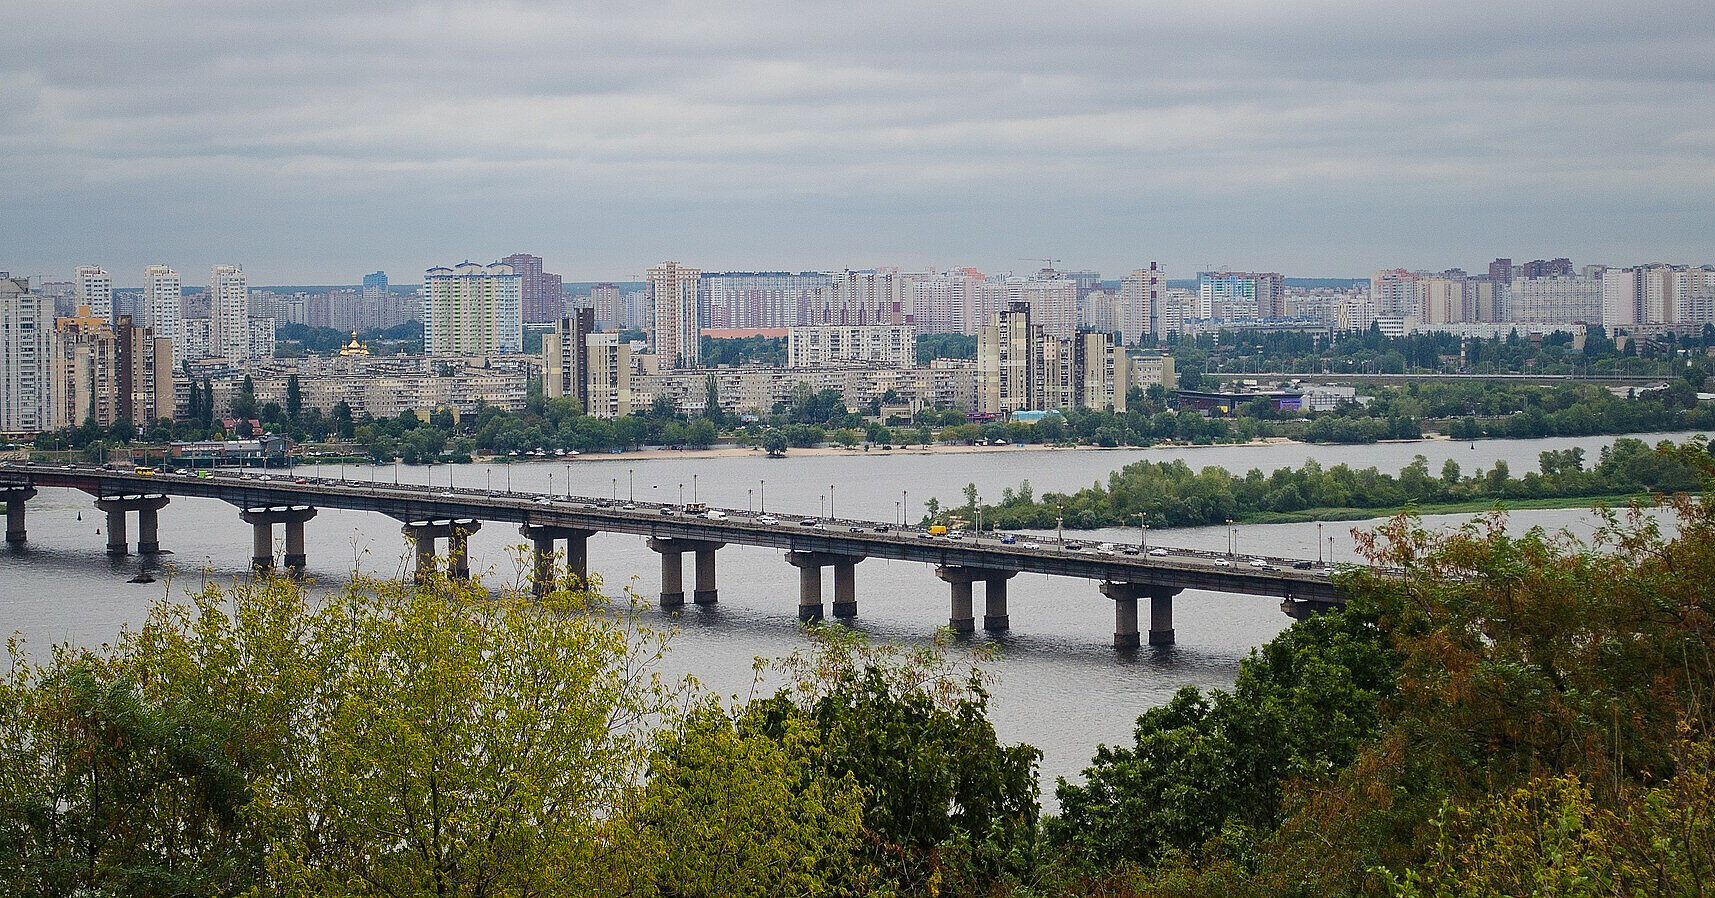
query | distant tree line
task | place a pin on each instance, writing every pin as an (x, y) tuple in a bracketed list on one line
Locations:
[(1172, 494)]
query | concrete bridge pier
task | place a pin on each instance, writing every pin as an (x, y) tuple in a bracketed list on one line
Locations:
[(148, 522), (809, 565), (706, 593), (995, 616), (962, 618), (457, 532), (15, 497), (845, 586), (673, 570), (262, 520), (542, 537), (1125, 596)]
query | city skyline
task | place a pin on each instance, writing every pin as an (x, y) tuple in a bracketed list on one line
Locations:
[(1315, 138)]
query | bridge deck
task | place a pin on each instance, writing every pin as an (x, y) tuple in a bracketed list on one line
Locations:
[(1178, 569)]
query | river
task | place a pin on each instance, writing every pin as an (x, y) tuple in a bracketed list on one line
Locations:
[(1060, 685)]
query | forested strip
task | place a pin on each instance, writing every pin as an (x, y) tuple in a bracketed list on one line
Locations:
[(1172, 494)]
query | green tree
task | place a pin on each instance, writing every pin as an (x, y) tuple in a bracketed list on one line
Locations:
[(944, 801), (389, 739), (739, 803), (294, 399), (244, 401)]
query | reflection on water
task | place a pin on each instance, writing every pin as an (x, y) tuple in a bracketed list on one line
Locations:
[(1061, 686)]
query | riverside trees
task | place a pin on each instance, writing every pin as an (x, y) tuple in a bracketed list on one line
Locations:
[(1172, 494), (436, 739)]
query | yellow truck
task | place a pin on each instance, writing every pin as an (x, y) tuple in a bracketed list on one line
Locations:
[(937, 530)]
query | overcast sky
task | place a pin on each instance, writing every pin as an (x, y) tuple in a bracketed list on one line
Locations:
[(313, 141)]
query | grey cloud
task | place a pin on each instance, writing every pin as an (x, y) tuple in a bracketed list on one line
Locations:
[(602, 131)]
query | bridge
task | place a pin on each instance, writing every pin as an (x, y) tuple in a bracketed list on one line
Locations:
[(430, 514)]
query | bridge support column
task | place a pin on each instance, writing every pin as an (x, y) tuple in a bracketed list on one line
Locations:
[(148, 531), (542, 572), (1125, 596), (425, 545), (1304, 609), (15, 497), (809, 592), (673, 570), (845, 588), (457, 532), (458, 547), (1161, 616), (146, 506), (262, 544), (542, 537), (262, 520), (962, 618), (117, 543), (297, 555), (995, 616), (809, 565), (578, 558), (706, 593)]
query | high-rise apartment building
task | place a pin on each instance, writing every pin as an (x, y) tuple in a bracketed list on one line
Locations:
[(1558, 299), (565, 362), (229, 313), (543, 300), (952, 302), (674, 315), (472, 309), (1694, 296), (145, 379), (609, 380), (1240, 296), (607, 301), (871, 296), (1021, 367), (376, 292), (1444, 299), (26, 359), (1053, 304), (764, 299), (820, 346), (163, 306), (1139, 308), (94, 290), (1397, 293), (1007, 350), (86, 371)]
